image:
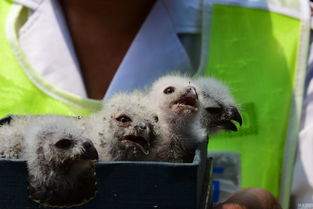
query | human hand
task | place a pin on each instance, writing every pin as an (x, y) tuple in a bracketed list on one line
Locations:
[(250, 198)]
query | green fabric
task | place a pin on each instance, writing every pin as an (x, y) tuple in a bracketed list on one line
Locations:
[(255, 52), (18, 95)]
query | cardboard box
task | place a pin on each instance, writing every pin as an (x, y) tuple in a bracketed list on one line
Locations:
[(125, 185)]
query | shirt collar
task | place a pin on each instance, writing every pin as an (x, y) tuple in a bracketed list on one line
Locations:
[(156, 49), (48, 48), (31, 4)]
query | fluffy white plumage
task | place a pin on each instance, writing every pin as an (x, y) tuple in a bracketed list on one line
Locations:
[(60, 161), (125, 129), (175, 100), (12, 137), (211, 87), (218, 107)]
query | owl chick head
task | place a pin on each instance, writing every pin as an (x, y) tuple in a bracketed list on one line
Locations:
[(219, 107), (131, 126), (175, 96), (55, 141)]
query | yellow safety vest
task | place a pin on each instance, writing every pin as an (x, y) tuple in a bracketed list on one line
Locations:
[(18, 93), (260, 51)]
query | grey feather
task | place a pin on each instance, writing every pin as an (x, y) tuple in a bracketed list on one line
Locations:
[(218, 107)]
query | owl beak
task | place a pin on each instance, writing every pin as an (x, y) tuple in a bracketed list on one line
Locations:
[(235, 116), (143, 132), (90, 152), (141, 142), (232, 115), (191, 92), (189, 100)]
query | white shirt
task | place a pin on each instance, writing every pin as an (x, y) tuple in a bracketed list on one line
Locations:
[(156, 49)]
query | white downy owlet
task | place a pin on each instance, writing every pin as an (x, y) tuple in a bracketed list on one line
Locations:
[(218, 107), (60, 162), (125, 129), (175, 100)]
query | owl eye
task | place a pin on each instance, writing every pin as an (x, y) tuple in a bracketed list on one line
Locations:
[(64, 143), (124, 119), (169, 90), (156, 118)]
